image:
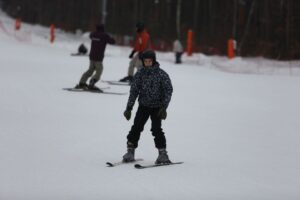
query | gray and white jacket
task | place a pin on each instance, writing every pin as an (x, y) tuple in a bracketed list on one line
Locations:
[(152, 86)]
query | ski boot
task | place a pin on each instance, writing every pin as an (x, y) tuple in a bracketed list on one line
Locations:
[(92, 86), (129, 156), (163, 157), (83, 86), (130, 79), (126, 79)]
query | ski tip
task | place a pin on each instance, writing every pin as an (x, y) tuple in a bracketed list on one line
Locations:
[(68, 88), (109, 164), (138, 166), (177, 162)]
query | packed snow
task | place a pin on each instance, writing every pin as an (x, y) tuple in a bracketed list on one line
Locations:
[(234, 123)]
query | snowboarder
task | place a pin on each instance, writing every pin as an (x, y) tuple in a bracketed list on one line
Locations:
[(99, 40), (142, 43), (178, 50), (153, 88)]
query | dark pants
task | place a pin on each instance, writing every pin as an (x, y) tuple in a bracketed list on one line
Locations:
[(142, 115), (178, 57)]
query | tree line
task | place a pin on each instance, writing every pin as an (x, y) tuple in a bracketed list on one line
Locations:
[(269, 28)]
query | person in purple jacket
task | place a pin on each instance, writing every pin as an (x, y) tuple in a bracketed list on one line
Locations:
[(99, 40)]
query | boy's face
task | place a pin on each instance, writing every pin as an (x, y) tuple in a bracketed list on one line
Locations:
[(148, 62)]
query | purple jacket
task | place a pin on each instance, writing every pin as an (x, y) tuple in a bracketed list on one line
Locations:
[(99, 41)]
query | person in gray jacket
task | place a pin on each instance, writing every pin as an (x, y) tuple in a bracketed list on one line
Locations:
[(153, 88), (178, 50)]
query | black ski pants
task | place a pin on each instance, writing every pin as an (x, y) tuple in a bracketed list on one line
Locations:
[(142, 115), (178, 57)]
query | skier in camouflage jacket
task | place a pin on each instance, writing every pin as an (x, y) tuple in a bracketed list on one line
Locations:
[(153, 88)]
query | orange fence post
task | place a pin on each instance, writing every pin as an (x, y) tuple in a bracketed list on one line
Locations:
[(18, 24), (231, 46), (190, 43), (52, 33)]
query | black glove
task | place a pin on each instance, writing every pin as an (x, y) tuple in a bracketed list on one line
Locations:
[(127, 114), (131, 54), (162, 113)]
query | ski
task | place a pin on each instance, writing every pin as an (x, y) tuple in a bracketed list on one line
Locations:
[(117, 83), (87, 90), (109, 164), (78, 54), (95, 91), (138, 166)]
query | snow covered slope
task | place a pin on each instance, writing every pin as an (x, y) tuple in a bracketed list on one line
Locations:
[(238, 134)]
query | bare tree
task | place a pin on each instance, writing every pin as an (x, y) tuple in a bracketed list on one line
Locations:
[(178, 18)]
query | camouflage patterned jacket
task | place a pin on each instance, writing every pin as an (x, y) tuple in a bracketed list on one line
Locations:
[(152, 86)]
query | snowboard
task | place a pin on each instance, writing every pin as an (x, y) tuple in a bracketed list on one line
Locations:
[(95, 91)]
